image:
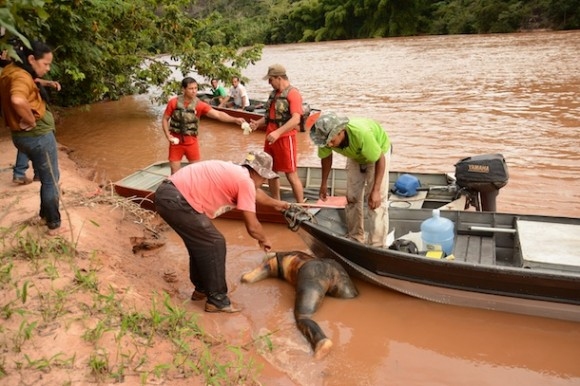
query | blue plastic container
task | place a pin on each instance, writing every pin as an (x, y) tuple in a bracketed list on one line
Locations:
[(406, 185), (438, 233)]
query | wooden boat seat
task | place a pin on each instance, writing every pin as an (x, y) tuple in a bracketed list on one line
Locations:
[(475, 249), (549, 245)]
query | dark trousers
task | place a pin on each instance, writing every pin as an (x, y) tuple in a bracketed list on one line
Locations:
[(205, 244), (43, 153)]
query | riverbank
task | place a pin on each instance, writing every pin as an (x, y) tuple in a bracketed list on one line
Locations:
[(102, 303)]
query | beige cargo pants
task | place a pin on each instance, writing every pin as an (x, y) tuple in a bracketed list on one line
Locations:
[(358, 188)]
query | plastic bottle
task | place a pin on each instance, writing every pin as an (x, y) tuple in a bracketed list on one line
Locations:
[(437, 233)]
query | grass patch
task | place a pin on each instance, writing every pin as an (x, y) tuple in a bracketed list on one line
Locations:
[(46, 293)]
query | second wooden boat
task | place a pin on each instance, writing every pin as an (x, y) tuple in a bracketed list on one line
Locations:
[(438, 189), (256, 110)]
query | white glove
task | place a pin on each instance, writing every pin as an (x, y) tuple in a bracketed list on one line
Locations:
[(174, 140), (246, 127)]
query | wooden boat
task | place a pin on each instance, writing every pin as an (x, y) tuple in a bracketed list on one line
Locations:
[(256, 110), (141, 185), (525, 264), (438, 189)]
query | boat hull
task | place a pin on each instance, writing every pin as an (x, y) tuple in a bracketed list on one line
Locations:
[(541, 291), (255, 111), (141, 185), (442, 194), (144, 198)]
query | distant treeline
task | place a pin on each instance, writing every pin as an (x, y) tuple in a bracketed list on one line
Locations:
[(105, 49), (288, 21)]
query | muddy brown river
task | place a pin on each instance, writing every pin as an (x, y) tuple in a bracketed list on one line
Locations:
[(441, 98)]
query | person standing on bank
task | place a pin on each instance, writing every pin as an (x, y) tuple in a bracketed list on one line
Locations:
[(21, 165), (180, 123), (282, 117), (367, 148), (32, 125), (199, 192)]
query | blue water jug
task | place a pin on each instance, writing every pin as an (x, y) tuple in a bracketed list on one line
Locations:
[(437, 233)]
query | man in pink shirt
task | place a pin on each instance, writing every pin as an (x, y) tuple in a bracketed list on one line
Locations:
[(199, 192)]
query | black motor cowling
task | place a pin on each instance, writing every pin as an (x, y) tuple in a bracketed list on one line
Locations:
[(485, 174)]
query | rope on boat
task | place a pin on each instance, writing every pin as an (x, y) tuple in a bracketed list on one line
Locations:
[(295, 215)]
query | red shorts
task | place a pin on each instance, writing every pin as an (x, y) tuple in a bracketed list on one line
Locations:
[(188, 147), (284, 153)]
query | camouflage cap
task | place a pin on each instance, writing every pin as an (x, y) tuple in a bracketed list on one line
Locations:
[(261, 162), (326, 128)]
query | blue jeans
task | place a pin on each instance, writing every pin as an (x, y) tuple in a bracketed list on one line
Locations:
[(21, 165), (43, 153)]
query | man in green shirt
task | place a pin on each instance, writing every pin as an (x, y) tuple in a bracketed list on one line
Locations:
[(367, 148), (219, 93)]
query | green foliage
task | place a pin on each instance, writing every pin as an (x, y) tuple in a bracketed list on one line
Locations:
[(14, 25), (105, 49), (462, 16), (318, 20)]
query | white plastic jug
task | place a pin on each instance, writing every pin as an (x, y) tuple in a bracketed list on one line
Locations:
[(438, 233)]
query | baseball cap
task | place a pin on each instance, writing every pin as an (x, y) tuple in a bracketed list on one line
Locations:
[(275, 70), (261, 162)]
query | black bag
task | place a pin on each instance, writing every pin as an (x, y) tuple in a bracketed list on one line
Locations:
[(482, 173)]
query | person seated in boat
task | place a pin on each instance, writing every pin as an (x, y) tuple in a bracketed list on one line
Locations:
[(282, 118), (367, 147), (218, 92), (238, 98), (200, 192), (180, 123)]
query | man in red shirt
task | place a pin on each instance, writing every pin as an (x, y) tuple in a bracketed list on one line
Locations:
[(181, 123), (282, 117)]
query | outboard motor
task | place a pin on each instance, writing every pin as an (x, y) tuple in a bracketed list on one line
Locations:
[(484, 174)]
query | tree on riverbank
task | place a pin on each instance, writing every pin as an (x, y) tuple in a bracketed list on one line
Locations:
[(105, 49), (320, 20)]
